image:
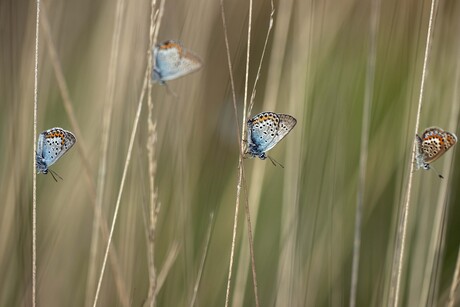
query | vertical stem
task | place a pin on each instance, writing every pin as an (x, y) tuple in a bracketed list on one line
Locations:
[(240, 160), (402, 231), (34, 189), (369, 92), (154, 206)]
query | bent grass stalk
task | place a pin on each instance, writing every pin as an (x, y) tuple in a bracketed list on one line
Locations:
[(271, 92), (241, 180), (242, 142), (402, 228), (433, 263), (106, 124), (240, 160), (203, 260), (82, 150), (120, 191)]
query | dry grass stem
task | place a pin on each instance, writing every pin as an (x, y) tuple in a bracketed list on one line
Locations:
[(120, 191), (345, 219), (270, 98), (364, 150), (453, 123), (245, 117), (436, 252), (166, 268), (106, 127), (155, 21), (82, 149), (241, 177), (34, 184), (240, 160), (270, 26), (203, 260), (251, 252)]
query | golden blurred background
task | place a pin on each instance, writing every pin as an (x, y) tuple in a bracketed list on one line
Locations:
[(316, 68)]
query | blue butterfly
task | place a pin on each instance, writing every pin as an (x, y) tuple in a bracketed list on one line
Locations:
[(265, 130), (52, 144), (432, 145), (173, 61)]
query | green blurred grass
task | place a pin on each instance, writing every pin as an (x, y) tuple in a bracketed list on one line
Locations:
[(303, 214)]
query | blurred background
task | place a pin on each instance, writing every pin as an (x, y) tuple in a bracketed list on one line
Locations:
[(317, 68)]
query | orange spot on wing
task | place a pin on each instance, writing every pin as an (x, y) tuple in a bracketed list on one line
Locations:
[(172, 45)]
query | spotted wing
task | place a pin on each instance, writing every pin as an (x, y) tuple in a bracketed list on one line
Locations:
[(285, 125), (174, 61), (56, 142), (435, 142), (262, 129), (450, 139)]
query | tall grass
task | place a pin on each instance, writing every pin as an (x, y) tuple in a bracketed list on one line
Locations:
[(302, 216)]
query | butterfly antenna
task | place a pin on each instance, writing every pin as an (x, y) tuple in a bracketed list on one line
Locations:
[(53, 176), (54, 173), (275, 162), (171, 92), (437, 173)]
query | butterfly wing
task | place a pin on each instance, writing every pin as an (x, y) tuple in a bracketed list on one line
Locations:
[(40, 142), (450, 139), (57, 142), (266, 129), (261, 131), (173, 61), (432, 144), (285, 125), (436, 142)]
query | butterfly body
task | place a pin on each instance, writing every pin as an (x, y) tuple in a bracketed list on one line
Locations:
[(265, 130), (173, 61), (52, 144), (433, 143)]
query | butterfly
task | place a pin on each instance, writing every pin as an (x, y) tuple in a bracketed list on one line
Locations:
[(173, 61), (433, 143), (265, 130), (51, 145)]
